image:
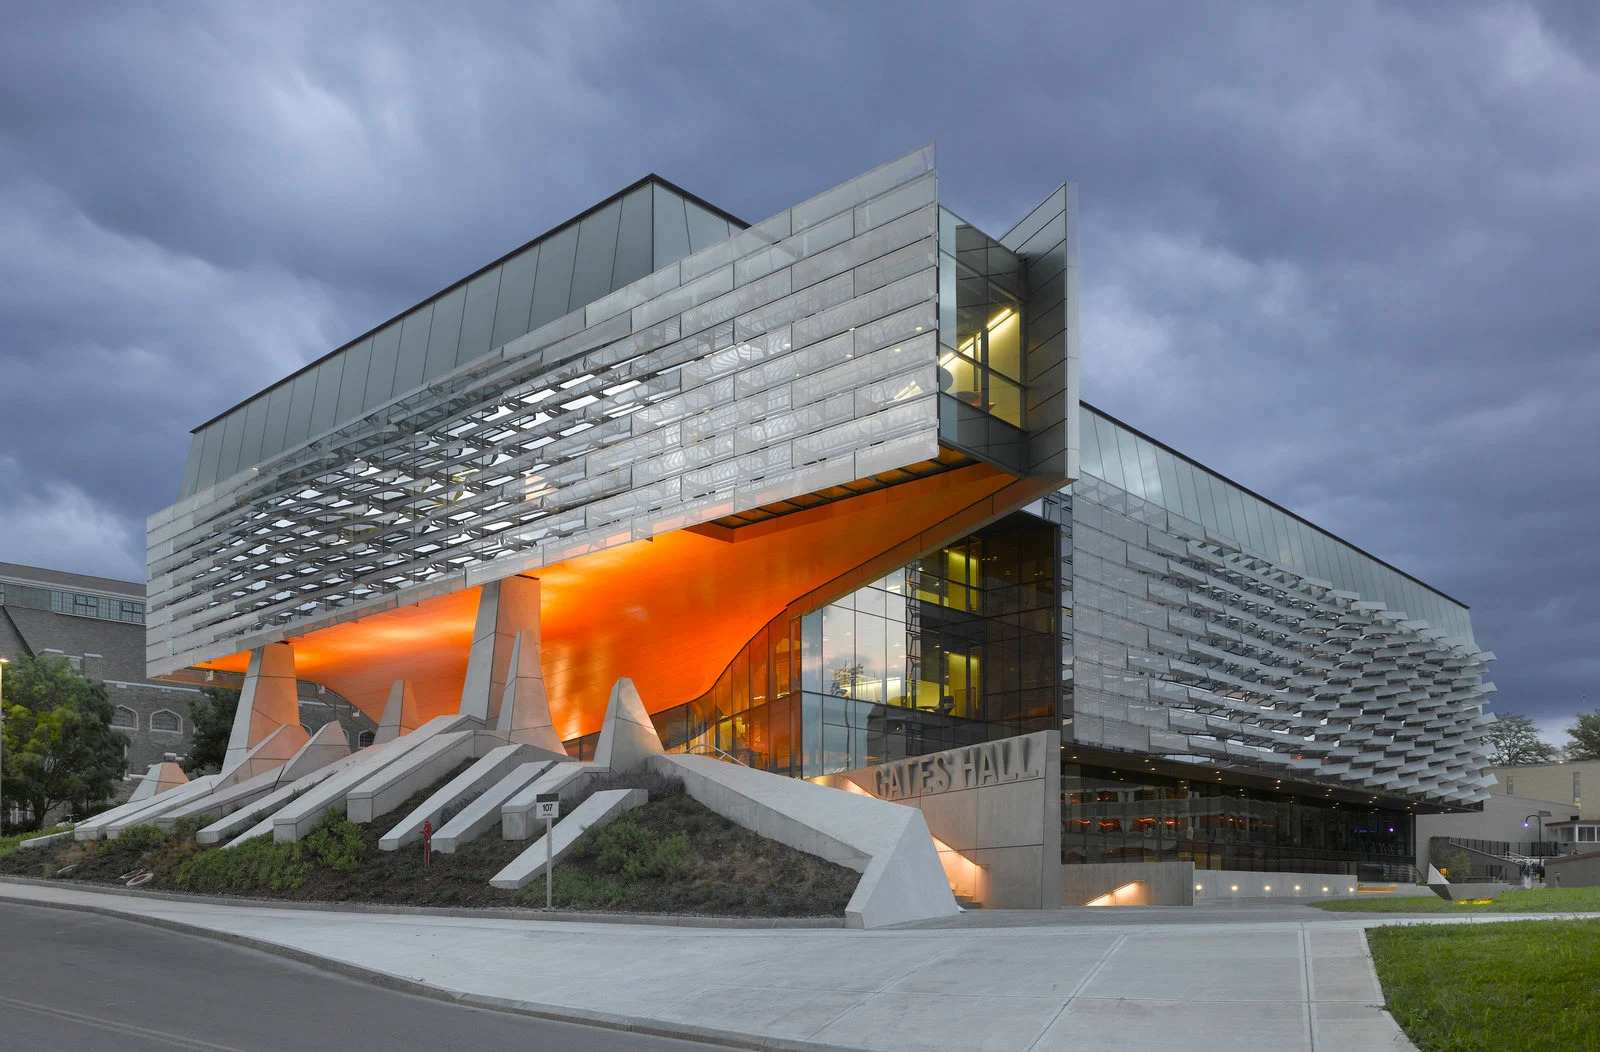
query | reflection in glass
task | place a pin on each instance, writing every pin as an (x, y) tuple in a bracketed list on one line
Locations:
[(981, 359), (959, 647)]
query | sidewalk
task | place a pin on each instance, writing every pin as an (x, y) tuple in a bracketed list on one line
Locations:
[(1237, 983)]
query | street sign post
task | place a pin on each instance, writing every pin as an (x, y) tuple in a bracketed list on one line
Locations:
[(548, 807)]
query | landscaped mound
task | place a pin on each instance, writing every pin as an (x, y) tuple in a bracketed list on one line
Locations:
[(672, 855)]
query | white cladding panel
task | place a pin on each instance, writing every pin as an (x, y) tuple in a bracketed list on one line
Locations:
[(1190, 645), (796, 355)]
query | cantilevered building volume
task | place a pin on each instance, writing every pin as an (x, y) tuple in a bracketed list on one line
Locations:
[(821, 488)]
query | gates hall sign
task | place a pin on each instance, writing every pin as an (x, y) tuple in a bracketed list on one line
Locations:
[(1007, 760)]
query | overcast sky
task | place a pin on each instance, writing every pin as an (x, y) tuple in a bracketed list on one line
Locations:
[(1343, 253)]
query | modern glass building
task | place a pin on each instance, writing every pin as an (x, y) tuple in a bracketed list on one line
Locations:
[(823, 488)]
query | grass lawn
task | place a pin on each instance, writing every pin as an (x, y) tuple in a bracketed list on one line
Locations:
[(8, 844), (1538, 900), (1528, 985)]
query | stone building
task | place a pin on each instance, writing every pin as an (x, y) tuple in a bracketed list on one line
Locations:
[(97, 625)]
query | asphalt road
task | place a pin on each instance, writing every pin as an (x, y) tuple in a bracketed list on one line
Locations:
[(85, 982)]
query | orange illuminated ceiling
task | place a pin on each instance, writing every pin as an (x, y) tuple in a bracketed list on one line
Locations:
[(669, 613)]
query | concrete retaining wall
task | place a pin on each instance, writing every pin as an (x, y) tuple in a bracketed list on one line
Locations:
[(1165, 883), (1227, 884), (997, 804)]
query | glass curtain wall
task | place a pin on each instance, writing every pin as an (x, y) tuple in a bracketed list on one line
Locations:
[(1111, 815), (618, 242), (1153, 475), (982, 366), (959, 647)]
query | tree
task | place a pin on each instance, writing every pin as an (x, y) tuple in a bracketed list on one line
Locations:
[(59, 745), (212, 719), (1585, 735), (1513, 740)]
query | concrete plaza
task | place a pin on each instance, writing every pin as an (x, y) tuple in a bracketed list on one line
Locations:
[(1240, 977)]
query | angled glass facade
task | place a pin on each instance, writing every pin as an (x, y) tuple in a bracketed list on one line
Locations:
[(1157, 477), (644, 229), (982, 364), (958, 647)]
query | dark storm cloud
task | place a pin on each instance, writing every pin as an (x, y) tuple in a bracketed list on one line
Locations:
[(1343, 254)]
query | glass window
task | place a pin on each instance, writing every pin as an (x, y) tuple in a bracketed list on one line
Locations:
[(302, 392), (1330, 564), (445, 333), (1168, 473), (552, 287), (671, 229), (1005, 343), (1128, 455), (1110, 454), (323, 410), (232, 435), (353, 381), (705, 228), (516, 297), (124, 717), (1089, 448), (165, 721), (210, 449), (477, 322), (1254, 526), (413, 348), (255, 426), (597, 255), (1152, 475), (380, 371), (633, 240), (1005, 400), (1205, 498), (1347, 576), (961, 378), (1186, 488), (1219, 498), (947, 300), (1241, 528), (277, 421), (191, 469)]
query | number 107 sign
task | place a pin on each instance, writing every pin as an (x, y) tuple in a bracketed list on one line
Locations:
[(547, 806)]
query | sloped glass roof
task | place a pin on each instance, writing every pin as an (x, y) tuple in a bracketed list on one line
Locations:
[(647, 226)]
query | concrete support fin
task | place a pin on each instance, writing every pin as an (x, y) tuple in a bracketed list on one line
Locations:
[(268, 754), (326, 746), (628, 737), (399, 713), (268, 701), (505, 608), (161, 777), (525, 706)]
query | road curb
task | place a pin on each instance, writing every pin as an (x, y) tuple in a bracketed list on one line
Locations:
[(663, 920), (400, 984)]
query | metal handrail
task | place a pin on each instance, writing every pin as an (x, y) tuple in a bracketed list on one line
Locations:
[(705, 749)]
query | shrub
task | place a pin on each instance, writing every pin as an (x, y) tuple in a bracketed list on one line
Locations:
[(574, 888), (628, 848), (257, 864), (9, 844), (337, 843), (139, 839)]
